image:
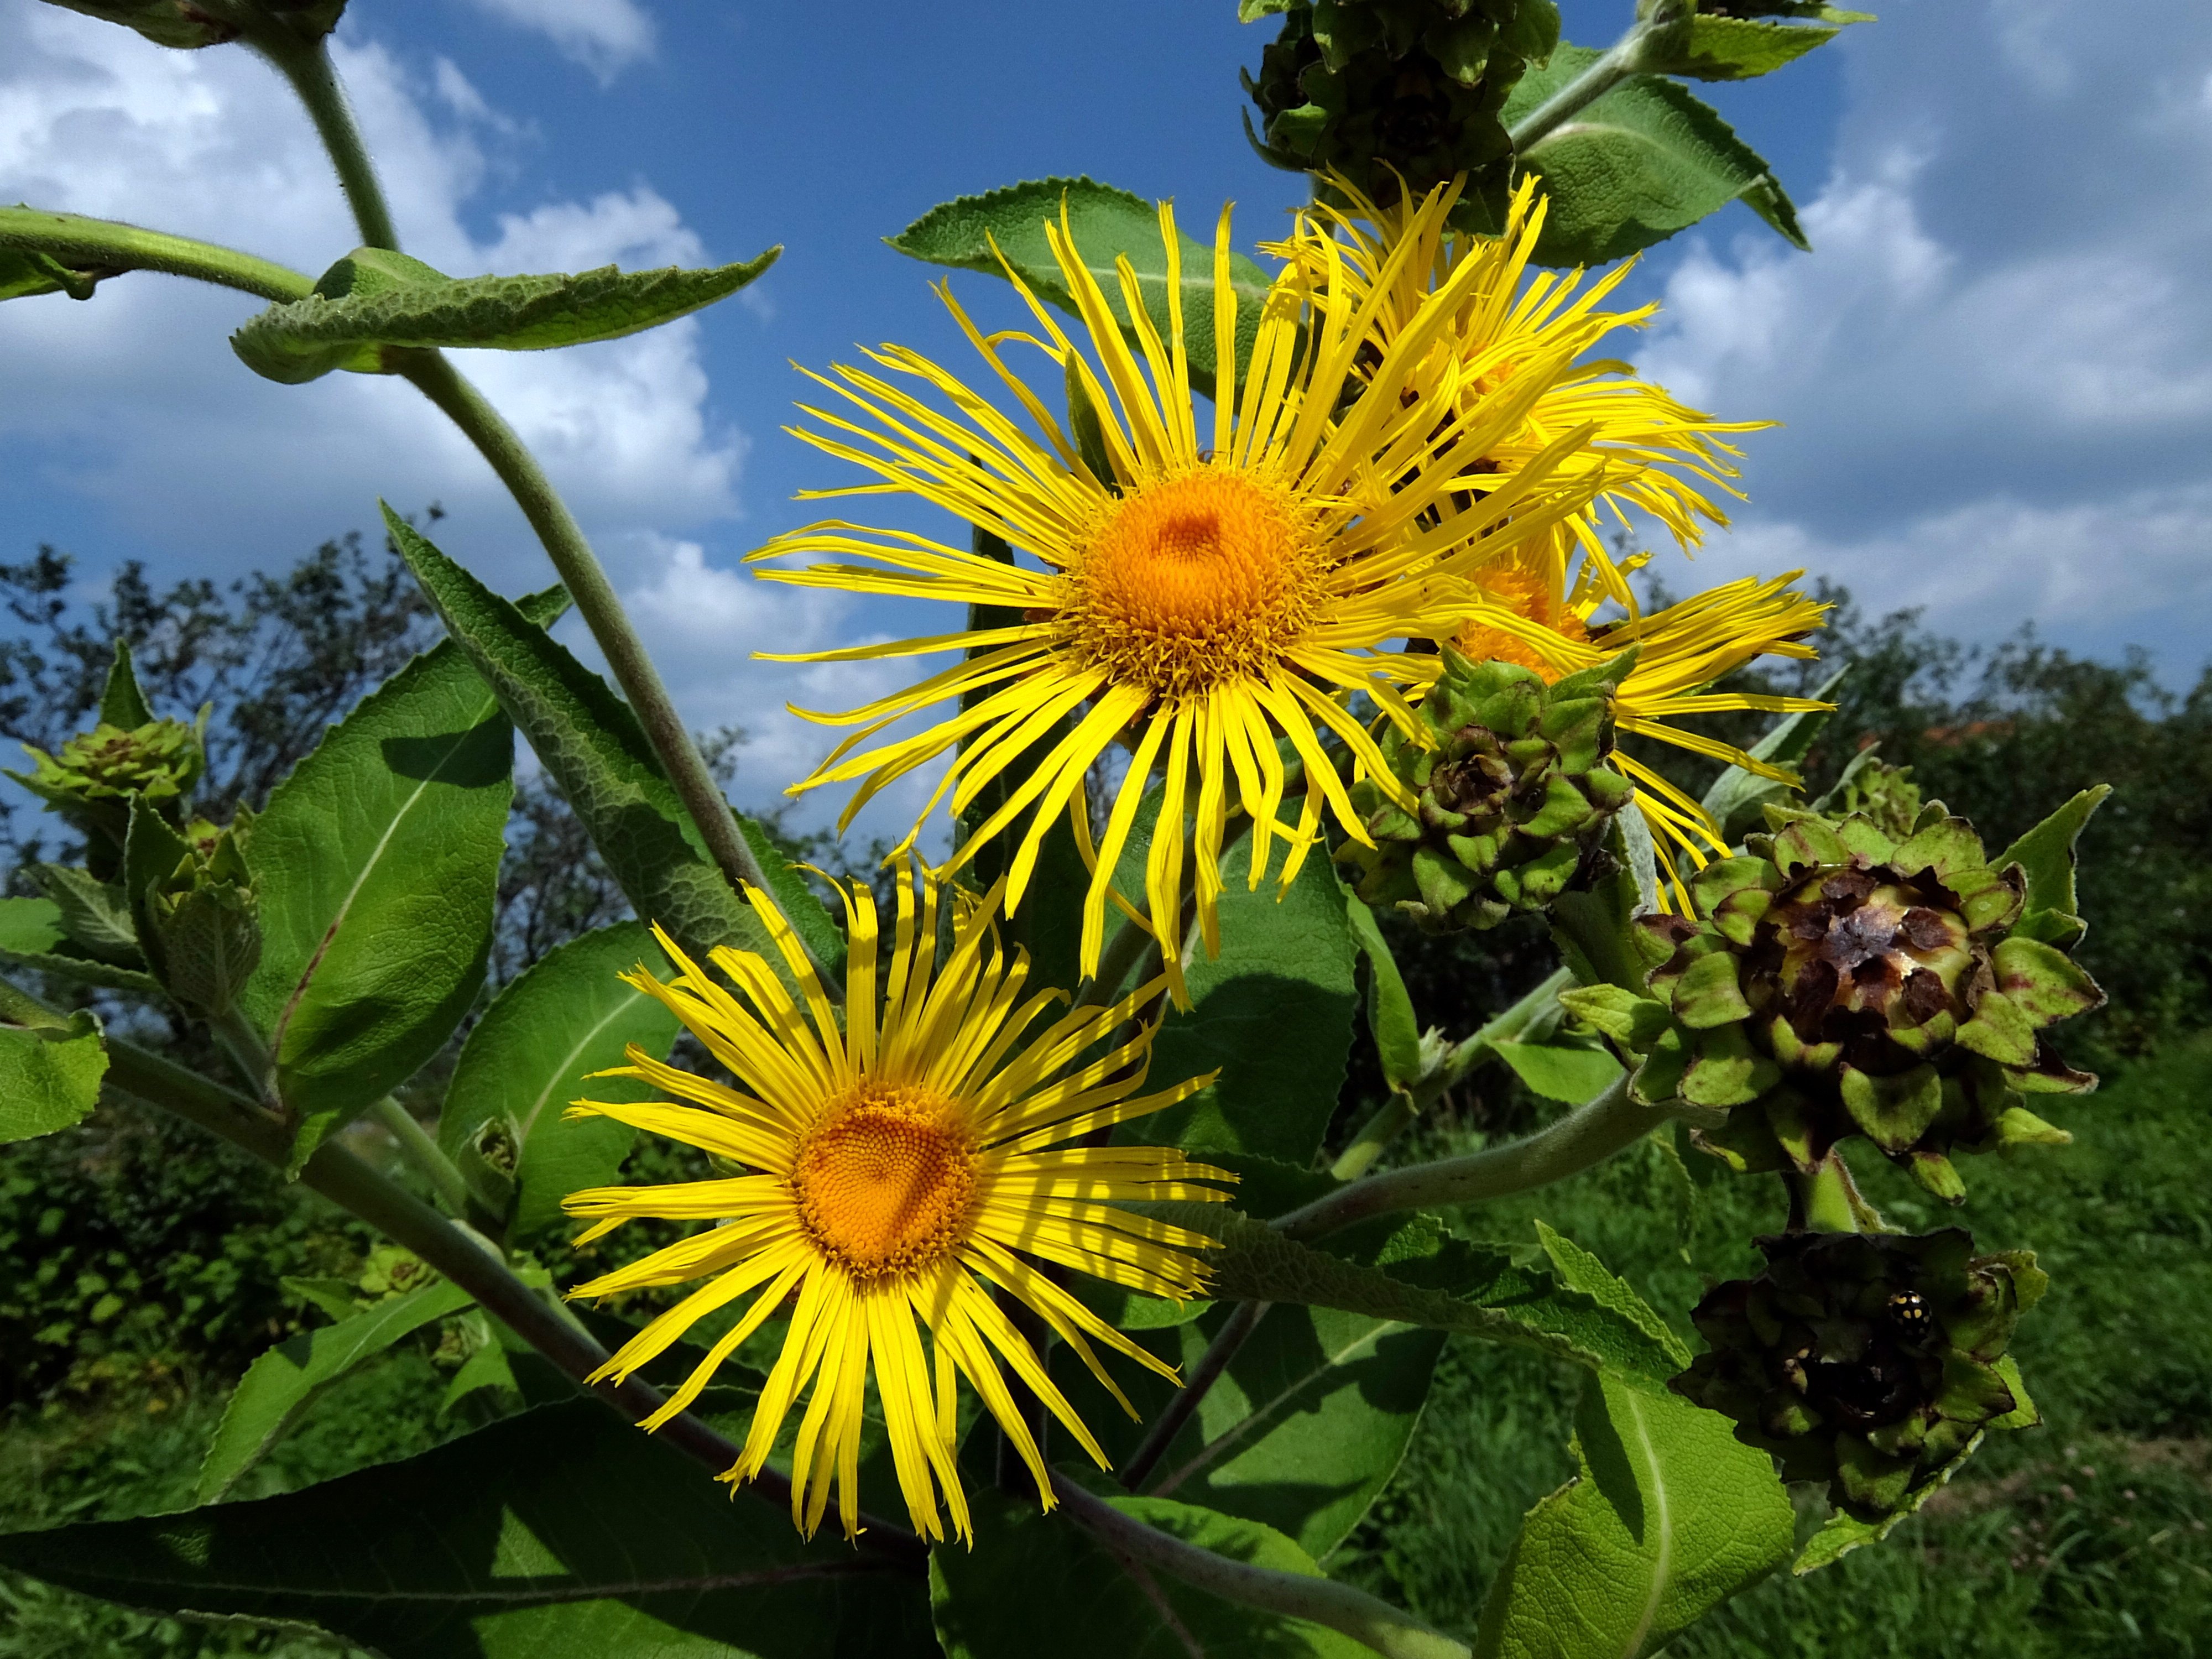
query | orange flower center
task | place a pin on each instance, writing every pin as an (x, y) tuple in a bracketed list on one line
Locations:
[(1525, 594), (883, 1186), (1201, 577)]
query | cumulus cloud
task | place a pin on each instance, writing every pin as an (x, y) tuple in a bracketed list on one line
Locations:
[(1995, 371), (605, 36)]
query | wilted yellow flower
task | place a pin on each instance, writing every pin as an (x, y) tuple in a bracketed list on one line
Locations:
[(898, 1164), (1210, 585)]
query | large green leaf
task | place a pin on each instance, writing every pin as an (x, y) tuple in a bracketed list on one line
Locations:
[(1668, 1517), (1645, 161), (279, 1387), (1038, 1584), (1560, 1071), (1106, 224), (1738, 48), (1273, 1013), (31, 933), (591, 744), (94, 915), (49, 1076), (1391, 1017), (525, 1060), (1738, 797), (375, 301), (377, 862), (563, 1533)]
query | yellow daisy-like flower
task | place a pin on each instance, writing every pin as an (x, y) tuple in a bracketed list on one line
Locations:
[(899, 1163), (1223, 582), (1526, 612), (1505, 328)]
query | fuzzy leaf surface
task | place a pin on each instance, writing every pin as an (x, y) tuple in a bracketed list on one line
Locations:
[(49, 1078), (1107, 224), (31, 934), (568, 1016)]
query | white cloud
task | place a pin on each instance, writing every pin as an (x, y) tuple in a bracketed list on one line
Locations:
[(605, 36), (1994, 370), (135, 400)]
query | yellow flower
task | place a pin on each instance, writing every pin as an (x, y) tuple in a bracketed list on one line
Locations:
[(1526, 611), (1225, 581), (896, 1164), (1501, 334)]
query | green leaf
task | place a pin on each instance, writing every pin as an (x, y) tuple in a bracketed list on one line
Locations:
[(279, 1387), (1738, 798), (1106, 224), (94, 915), (1560, 1073), (49, 1078), (31, 934), (1738, 48), (525, 1060), (1273, 1012), (1668, 1517), (1592, 928), (1580, 1271), (373, 301), (1038, 1584), (1391, 1016), (560, 1533), (1645, 161), (591, 744), (122, 703), (2046, 854), (26, 272), (377, 862)]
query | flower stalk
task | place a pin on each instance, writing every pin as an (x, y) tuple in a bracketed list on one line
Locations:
[(1632, 54)]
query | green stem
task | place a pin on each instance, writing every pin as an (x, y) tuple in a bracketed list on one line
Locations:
[(1632, 54), (343, 1179), (1223, 1349), (1588, 1135), (108, 246), (1824, 1201), (1365, 1618), (307, 67), (579, 570), (1391, 1119), (417, 1146)]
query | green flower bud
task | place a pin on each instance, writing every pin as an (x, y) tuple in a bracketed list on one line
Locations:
[(1867, 1361), (92, 782), (1840, 981), (1514, 795), (205, 918), (1392, 94), (1883, 792)]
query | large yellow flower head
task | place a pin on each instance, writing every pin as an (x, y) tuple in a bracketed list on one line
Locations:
[(1210, 585), (896, 1164), (1526, 610), (1506, 329)]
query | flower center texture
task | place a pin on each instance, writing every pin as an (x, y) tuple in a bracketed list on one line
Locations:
[(1524, 594), (883, 1187), (1202, 577)]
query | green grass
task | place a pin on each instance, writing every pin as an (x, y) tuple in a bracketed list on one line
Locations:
[(2090, 1536)]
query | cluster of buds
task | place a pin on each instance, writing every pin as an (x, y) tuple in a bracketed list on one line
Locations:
[(201, 922), (1870, 1362), (1513, 795), (98, 773), (1840, 981), (1398, 94)]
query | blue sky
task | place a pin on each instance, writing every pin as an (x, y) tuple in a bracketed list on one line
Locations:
[(1996, 369)]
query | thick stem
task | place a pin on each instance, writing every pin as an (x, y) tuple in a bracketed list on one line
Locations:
[(235, 1036), (579, 570), (1590, 1134), (109, 247), (1631, 54), (1215, 1360), (417, 1146), (1392, 1119), (1826, 1201), (1365, 1618), (307, 67), (400, 1216)]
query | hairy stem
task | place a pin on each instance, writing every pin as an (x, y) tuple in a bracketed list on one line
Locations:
[(108, 247), (1826, 1201), (417, 1146), (1365, 1618), (307, 67), (1588, 1135), (343, 1179), (579, 570), (1232, 1336), (1631, 54)]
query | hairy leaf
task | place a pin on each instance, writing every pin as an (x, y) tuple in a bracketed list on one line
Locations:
[(562, 1532), (1106, 224), (1645, 161), (374, 300), (568, 1015), (49, 1078), (31, 933), (1738, 48), (1668, 1517), (279, 1387)]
